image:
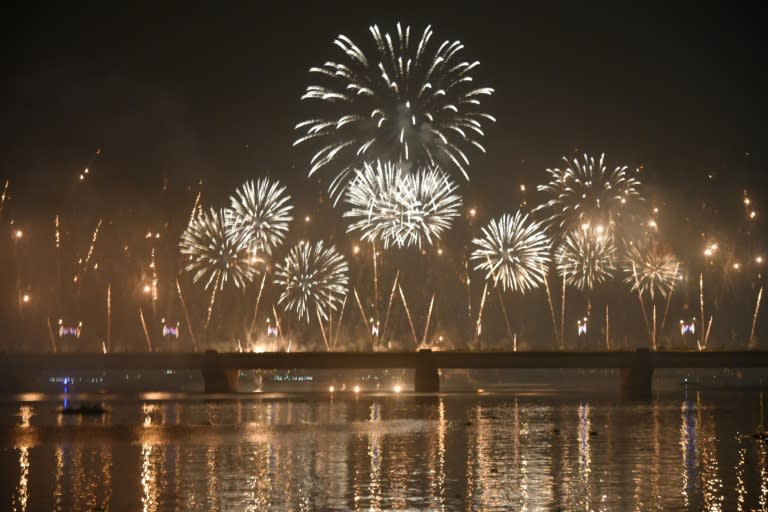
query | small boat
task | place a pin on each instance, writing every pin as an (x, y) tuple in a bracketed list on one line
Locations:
[(90, 409)]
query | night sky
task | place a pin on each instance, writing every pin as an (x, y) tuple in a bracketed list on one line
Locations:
[(175, 94)]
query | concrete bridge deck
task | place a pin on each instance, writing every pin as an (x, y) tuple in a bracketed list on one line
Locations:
[(220, 369)]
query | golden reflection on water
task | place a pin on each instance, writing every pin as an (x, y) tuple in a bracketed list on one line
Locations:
[(709, 466), (375, 453)]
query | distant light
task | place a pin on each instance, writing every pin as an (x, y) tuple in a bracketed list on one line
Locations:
[(736, 266), (331, 389), (82, 177), (585, 226), (18, 234), (759, 259), (356, 249), (652, 223), (25, 298), (472, 212), (599, 228), (398, 388), (147, 288), (480, 390), (522, 188), (746, 201), (656, 210), (306, 219), (440, 252), (752, 214), (357, 389)]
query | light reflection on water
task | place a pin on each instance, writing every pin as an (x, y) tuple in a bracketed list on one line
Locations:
[(381, 452)]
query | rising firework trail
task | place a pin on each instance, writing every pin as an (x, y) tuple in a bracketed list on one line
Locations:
[(262, 210), (314, 279), (3, 196), (408, 100), (400, 208), (408, 315), (587, 193), (513, 252), (752, 339)]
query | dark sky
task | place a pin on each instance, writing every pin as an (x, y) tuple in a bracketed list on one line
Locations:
[(179, 91)]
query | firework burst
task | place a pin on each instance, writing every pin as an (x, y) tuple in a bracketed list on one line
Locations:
[(586, 258), (587, 193), (651, 267), (408, 102), (216, 254), (513, 251), (314, 280), (261, 210), (399, 208)]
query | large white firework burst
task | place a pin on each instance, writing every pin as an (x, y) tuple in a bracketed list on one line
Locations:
[(651, 267), (401, 208), (513, 251), (585, 258), (262, 211), (586, 193), (216, 254), (410, 100), (314, 280)]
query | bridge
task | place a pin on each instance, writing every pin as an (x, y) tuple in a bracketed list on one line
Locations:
[(220, 370)]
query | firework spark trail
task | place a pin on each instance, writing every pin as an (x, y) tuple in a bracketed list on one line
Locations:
[(405, 103), (194, 211), (585, 193), (256, 308), (709, 329), (362, 314), (153, 266), (210, 306), (429, 317), (375, 280), (186, 315), (389, 305), (322, 330), (513, 252), (109, 316), (3, 195), (468, 282), (504, 313), (279, 327), (314, 278), (408, 315), (262, 210), (91, 247), (146, 332), (50, 333), (401, 207), (607, 331), (702, 341), (642, 302), (338, 325), (752, 339), (654, 327), (479, 322), (551, 308), (562, 313), (669, 298)]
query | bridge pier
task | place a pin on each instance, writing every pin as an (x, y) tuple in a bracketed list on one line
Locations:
[(217, 378), (637, 380), (426, 378)]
